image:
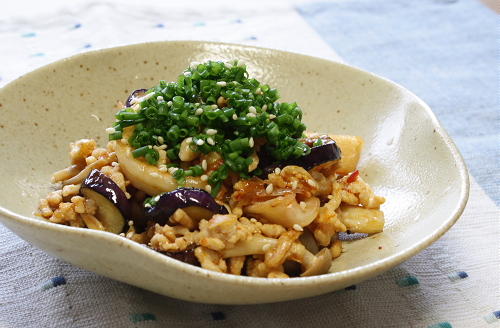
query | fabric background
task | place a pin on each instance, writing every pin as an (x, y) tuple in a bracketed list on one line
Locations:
[(443, 50)]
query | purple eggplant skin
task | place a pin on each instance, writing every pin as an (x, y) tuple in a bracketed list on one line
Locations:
[(349, 236), (169, 202), (135, 94), (114, 208), (318, 155), (186, 256)]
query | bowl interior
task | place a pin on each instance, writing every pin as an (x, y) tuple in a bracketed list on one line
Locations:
[(407, 158)]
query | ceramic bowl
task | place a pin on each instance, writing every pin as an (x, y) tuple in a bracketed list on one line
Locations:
[(408, 158)]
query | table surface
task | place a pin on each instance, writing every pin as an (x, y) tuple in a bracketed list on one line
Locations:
[(443, 50)]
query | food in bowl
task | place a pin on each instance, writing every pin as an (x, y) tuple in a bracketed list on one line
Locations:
[(213, 171)]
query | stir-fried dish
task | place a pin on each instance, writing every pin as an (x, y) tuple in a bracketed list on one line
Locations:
[(213, 171)]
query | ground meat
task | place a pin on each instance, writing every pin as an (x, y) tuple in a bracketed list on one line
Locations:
[(359, 192), (272, 230), (80, 150), (171, 239), (210, 259), (55, 209), (223, 231)]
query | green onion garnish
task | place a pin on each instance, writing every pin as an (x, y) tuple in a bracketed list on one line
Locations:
[(239, 113)]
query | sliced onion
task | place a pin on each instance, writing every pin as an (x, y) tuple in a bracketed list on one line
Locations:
[(169, 202)]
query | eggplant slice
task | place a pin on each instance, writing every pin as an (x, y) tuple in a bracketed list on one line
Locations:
[(135, 95), (186, 256), (167, 203), (319, 155), (113, 206)]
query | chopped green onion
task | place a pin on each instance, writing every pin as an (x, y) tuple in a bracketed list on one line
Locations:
[(115, 136), (140, 152), (223, 111)]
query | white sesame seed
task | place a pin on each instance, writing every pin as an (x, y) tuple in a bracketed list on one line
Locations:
[(253, 220), (294, 184), (136, 107), (252, 109), (196, 104), (162, 146), (297, 227), (147, 205), (264, 108), (272, 117), (303, 205), (204, 177), (208, 188), (163, 168), (200, 142), (210, 141), (198, 111), (204, 164), (114, 164), (189, 140), (236, 132), (312, 183), (110, 130), (169, 103), (160, 99), (214, 106), (330, 197), (251, 115), (235, 117), (156, 198), (187, 74), (154, 175), (251, 142), (172, 170), (277, 170), (269, 188), (150, 147), (221, 83), (122, 234), (130, 223), (211, 132), (160, 139), (266, 247)]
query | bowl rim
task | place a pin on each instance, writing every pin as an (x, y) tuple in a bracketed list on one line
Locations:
[(359, 272)]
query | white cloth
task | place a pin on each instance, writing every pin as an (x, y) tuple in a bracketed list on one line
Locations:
[(35, 36)]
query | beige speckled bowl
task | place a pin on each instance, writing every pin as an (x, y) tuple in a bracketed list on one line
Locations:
[(408, 158)]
